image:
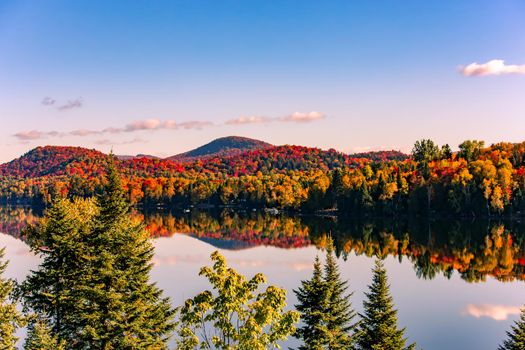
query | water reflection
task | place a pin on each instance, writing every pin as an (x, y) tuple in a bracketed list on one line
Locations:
[(473, 249), (440, 312)]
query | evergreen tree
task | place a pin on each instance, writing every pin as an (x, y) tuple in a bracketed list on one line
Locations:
[(10, 318), (124, 309), (54, 291), (338, 313), (326, 311), (40, 337), (378, 328), (311, 297), (516, 337)]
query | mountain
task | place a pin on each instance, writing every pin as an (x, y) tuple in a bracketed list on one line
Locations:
[(55, 160), (221, 147), (229, 155)]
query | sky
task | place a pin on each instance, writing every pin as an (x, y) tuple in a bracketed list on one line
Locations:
[(162, 77)]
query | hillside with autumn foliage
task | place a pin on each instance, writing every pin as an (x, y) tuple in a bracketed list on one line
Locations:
[(221, 147), (474, 181)]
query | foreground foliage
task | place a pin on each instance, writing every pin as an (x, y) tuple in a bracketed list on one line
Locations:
[(92, 286), (325, 307), (10, 318), (378, 328), (234, 315), (516, 336)]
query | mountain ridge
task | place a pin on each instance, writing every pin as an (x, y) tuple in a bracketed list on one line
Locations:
[(232, 155), (222, 146)]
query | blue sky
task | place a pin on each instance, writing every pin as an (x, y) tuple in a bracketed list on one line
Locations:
[(162, 77)]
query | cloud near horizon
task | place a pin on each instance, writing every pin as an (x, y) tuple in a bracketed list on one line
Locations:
[(493, 67), (139, 125), (496, 312), (254, 119), (154, 124), (296, 117)]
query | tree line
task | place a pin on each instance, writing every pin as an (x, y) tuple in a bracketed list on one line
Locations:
[(474, 181), (92, 291)]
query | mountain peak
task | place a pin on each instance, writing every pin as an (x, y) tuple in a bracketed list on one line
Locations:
[(223, 146)]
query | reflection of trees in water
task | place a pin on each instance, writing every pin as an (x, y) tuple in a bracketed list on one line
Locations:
[(14, 219), (475, 249)]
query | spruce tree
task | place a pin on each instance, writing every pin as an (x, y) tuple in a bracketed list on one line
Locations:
[(312, 304), (124, 309), (339, 313), (10, 318), (516, 337), (41, 337), (326, 311), (55, 290), (378, 329)]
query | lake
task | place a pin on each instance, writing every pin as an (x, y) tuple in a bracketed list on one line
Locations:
[(456, 284)]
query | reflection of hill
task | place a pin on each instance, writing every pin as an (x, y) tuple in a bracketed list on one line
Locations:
[(474, 249), (246, 230)]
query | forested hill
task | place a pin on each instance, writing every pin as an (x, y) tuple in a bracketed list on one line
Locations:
[(55, 161), (222, 147), (50, 161)]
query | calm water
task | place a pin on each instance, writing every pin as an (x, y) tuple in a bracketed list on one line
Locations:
[(457, 285)]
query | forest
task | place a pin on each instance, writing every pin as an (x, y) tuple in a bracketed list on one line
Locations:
[(433, 181), (92, 291)]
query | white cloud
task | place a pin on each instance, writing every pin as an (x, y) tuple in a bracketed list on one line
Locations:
[(493, 67), (158, 124), (296, 117), (147, 124), (496, 312), (29, 135), (195, 124), (139, 125), (301, 117), (254, 119)]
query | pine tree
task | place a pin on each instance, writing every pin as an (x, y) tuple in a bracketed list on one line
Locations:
[(312, 304), (10, 318), (326, 311), (125, 310), (339, 313), (378, 328), (55, 290), (516, 337), (40, 337)]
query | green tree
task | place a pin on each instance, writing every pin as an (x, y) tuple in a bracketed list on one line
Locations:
[(425, 151), (325, 307), (470, 150), (123, 309), (312, 299), (516, 337), (378, 328), (446, 151), (10, 318), (234, 317), (339, 313), (61, 239), (41, 337)]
